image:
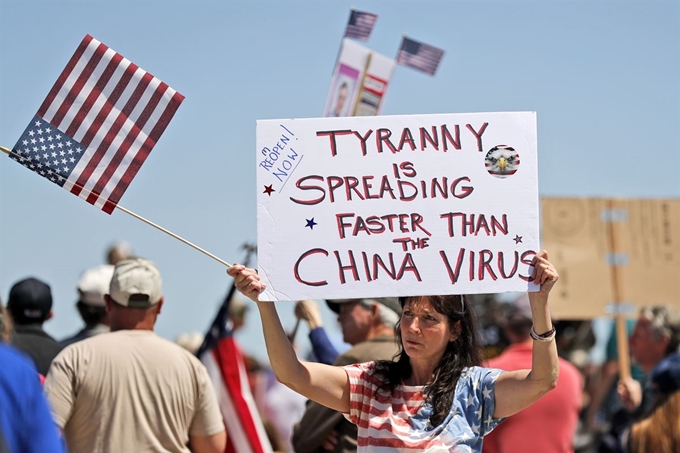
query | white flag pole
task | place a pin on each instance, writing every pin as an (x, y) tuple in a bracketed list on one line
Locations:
[(148, 222)]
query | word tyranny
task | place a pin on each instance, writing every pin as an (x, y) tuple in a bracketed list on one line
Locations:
[(280, 158), (423, 137)]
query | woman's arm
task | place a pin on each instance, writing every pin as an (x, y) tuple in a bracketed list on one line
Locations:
[(516, 390), (325, 384)]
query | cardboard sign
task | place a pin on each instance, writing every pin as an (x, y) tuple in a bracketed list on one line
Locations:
[(396, 205), (609, 249)]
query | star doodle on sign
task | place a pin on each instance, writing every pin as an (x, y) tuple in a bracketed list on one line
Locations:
[(310, 223), (518, 239), (269, 189)]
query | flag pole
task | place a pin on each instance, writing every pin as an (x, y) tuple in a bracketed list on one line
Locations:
[(148, 222), (179, 238)]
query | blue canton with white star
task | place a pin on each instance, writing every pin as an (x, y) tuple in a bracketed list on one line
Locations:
[(47, 151)]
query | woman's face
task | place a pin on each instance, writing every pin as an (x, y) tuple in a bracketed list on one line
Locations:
[(425, 332)]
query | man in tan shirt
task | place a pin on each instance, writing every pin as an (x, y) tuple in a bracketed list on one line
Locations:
[(130, 390)]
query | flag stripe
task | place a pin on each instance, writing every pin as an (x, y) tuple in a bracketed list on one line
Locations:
[(235, 378), (146, 147), (95, 93), (132, 162), (74, 93), (64, 75), (223, 359), (107, 115), (127, 142), (73, 83), (237, 441), (89, 132), (108, 135)]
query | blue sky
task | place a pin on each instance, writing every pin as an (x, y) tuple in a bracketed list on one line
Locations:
[(603, 77)]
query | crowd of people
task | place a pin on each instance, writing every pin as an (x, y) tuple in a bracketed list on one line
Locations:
[(429, 373)]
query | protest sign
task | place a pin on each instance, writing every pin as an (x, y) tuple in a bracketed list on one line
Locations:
[(609, 249), (359, 81), (396, 205)]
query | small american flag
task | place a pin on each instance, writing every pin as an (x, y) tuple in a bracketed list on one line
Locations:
[(223, 359), (97, 125), (419, 56), (360, 25)]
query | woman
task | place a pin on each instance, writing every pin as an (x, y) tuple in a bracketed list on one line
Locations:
[(435, 397), (660, 431)]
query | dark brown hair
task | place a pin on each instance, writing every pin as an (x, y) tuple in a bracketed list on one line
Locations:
[(459, 354)]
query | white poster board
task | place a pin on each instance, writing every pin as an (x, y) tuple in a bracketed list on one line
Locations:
[(359, 82), (374, 86), (347, 76), (396, 205)]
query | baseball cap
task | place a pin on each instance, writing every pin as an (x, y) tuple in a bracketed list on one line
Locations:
[(30, 301), (666, 374), (390, 302), (93, 284), (136, 283)]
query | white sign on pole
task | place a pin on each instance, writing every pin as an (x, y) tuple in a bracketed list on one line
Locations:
[(360, 81), (397, 205)]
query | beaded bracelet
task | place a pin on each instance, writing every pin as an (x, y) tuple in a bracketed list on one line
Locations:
[(548, 336)]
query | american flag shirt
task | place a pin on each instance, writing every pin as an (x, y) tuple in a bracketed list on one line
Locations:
[(399, 422)]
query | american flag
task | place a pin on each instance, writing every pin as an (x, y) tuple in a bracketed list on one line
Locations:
[(98, 124), (223, 359), (419, 56), (360, 25)]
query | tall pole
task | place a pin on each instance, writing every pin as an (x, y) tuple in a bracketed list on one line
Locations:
[(615, 261)]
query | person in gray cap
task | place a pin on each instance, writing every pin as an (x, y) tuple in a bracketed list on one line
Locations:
[(368, 325), (30, 304), (92, 286), (130, 390)]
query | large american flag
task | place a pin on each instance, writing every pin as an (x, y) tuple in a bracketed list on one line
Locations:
[(360, 25), (417, 55), (98, 124), (223, 359)]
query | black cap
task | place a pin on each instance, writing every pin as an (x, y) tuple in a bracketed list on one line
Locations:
[(390, 302), (30, 301), (666, 374)]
